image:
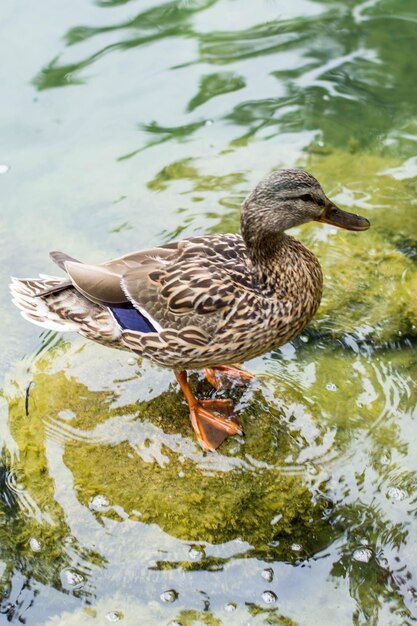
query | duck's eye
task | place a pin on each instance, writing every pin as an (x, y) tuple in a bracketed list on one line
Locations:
[(307, 197)]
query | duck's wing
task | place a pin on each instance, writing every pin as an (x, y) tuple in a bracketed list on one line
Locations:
[(102, 283), (202, 278), (182, 284)]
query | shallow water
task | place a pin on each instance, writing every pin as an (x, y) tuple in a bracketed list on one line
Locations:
[(126, 123)]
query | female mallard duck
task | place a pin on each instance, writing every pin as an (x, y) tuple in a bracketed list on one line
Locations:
[(203, 302)]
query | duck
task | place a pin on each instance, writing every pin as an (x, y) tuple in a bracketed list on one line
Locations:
[(206, 302)]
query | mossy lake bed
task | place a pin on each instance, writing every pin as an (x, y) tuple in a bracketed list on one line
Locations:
[(127, 124)]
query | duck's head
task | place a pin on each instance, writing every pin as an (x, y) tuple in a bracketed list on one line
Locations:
[(288, 198)]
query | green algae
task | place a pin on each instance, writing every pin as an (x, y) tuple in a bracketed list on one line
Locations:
[(370, 283), (36, 529), (245, 491), (185, 170), (271, 492), (213, 85)]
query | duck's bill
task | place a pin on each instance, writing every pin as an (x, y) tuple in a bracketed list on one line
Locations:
[(333, 215)]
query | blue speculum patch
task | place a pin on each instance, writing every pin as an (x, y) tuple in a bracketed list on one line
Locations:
[(130, 318)]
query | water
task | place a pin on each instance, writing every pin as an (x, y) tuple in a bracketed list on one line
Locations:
[(127, 123)]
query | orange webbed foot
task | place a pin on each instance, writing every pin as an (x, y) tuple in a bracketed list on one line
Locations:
[(212, 420)]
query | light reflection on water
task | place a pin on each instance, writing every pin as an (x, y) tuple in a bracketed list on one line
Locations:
[(130, 123)]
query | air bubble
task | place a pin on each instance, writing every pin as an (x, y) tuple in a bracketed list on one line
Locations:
[(71, 578), (269, 597), (196, 553), (114, 616), (35, 544), (395, 493), (99, 503), (362, 555), (268, 574), (169, 596), (296, 547)]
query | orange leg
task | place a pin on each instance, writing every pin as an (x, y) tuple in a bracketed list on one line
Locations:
[(227, 375), (210, 428)]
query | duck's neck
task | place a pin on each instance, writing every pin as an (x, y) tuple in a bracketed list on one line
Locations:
[(265, 251), (264, 240)]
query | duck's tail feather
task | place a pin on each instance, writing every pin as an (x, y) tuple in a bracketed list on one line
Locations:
[(51, 303), (60, 258), (27, 296)]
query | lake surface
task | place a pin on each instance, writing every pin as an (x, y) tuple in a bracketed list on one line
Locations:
[(128, 123)]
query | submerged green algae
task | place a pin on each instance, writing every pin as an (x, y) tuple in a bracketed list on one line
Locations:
[(274, 492), (370, 279)]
